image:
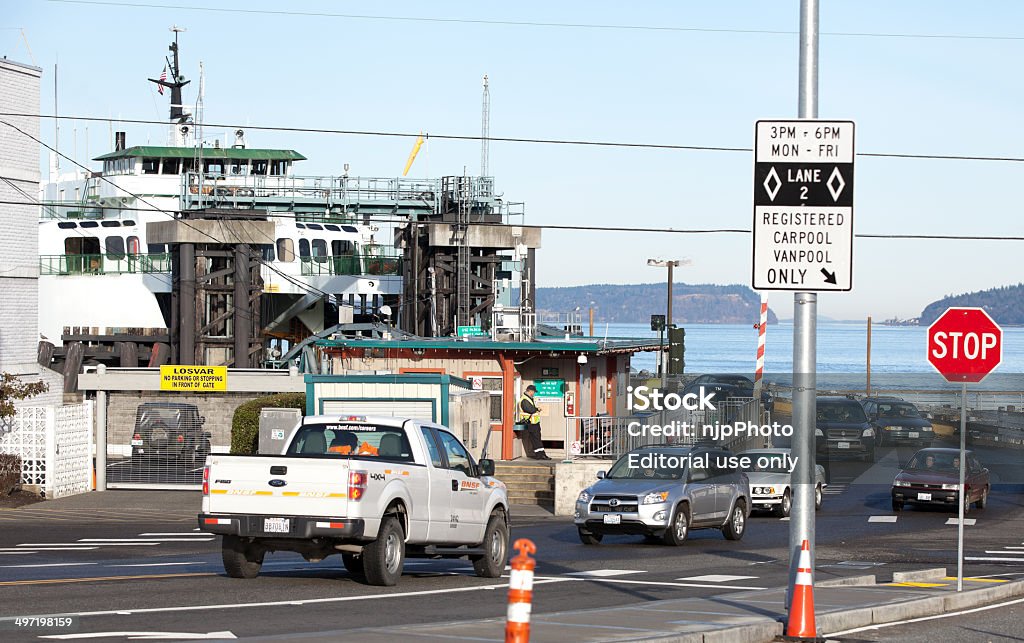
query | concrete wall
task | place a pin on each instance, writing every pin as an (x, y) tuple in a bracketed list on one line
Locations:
[(573, 477), (19, 243), (217, 408)]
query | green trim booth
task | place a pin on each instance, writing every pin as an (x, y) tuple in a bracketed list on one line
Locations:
[(439, 398), (575, 377)]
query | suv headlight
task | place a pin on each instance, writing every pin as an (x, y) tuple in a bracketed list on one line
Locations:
[(584, 496), (868, 433), (655, 498), (951, 487), (818, 433), (926, 428), (900, 483)]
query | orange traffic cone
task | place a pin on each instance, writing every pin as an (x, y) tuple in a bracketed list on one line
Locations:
[(520, 593), (801, 609)]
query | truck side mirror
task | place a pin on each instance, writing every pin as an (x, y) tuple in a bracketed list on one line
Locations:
[(486, 467)]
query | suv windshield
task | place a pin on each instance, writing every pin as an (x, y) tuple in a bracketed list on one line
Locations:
[(622, 471), (351, 439), (850, 411), (903, 410)]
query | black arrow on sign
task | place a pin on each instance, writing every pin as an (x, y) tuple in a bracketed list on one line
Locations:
[(830, 277)]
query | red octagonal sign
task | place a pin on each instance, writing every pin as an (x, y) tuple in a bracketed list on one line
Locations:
[(964, 344)]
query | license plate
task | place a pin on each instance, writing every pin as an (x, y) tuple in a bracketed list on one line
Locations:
[(612, 519), (914, 434), (924, 496), (843, 445), (276, 525), (136, 443)]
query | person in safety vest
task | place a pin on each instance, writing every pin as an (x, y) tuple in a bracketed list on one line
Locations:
[(529, 415)]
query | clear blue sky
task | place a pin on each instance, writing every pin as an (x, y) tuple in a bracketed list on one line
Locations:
[(922, 95)]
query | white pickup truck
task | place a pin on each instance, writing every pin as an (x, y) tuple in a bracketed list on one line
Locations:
[(374, 489)]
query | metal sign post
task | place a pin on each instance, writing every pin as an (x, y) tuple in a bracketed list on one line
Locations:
[(963, 468)]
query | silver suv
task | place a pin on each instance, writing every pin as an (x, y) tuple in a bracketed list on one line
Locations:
[(664, 492)]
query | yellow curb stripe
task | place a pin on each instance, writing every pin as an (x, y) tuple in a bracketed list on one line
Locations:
[(909, 584), (978, 580), (52, 581)]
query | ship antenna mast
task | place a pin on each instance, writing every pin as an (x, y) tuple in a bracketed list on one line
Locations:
[(485, 130), (176, 80)]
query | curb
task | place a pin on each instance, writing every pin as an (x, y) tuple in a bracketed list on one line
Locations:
[(919, 575), (851, 581)]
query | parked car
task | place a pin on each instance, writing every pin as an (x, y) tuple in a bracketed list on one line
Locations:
[(896, 420), (690, 489), (724, 386), (374, 489), (932, 477), (842, 428), (169, 432), (771, 480)]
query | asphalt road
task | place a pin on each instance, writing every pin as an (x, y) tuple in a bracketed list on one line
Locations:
[(135, 562), (1000, 622)]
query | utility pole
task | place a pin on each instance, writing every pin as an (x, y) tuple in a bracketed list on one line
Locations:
[(485, 130), (805, 318)]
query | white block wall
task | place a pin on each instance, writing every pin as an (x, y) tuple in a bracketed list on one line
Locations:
[(19, 242)]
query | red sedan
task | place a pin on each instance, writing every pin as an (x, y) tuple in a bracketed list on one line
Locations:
[(932, 477)]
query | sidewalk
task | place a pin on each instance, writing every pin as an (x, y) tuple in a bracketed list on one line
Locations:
[(743, 617)]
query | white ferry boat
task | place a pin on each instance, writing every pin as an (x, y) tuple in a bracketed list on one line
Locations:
[(331, 249)]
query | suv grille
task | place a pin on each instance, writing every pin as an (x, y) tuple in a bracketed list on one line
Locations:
[(625, 504), (842, 434)]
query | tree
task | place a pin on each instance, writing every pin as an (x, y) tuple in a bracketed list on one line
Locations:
[(11, 389)]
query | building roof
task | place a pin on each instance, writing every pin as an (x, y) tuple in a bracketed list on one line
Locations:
[(208, 153), (578, 345)]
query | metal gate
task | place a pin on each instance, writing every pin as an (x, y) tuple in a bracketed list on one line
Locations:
[(159, 444)]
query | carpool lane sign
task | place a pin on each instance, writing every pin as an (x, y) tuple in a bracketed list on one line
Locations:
[(803, 205)]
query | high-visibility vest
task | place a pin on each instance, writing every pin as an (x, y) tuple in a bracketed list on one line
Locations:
[(531, 418)]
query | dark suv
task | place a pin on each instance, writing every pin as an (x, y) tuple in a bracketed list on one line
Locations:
[(723, 386), (843, 429), (896, 420), (169, 432)]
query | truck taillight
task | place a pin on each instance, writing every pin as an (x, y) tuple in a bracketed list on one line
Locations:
[(137, 436), (206, 480), (356, 484)]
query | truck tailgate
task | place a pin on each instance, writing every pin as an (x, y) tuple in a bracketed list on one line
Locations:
[(296, 487)]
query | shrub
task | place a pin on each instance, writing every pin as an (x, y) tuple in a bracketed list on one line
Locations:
[(245, 425), (10, 473)]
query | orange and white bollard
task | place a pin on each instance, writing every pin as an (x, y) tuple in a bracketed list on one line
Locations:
[(520, 593), (801, 609)]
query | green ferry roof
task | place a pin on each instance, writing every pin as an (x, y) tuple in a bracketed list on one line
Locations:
[(156, 151)]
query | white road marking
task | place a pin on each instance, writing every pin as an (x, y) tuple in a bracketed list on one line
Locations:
[(967, 521), (145, 636), (152, 564), (93, 545), (626, 581), (15, 553), (53, 565), (785, 519), (604, 573), (994, 559), (181, 533), (882, 518), (716, 578), (47, 548), (927, 618), (143, 540)]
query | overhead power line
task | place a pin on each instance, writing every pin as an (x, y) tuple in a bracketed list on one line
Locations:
[(509, 139), (533, 23), (591, 228)]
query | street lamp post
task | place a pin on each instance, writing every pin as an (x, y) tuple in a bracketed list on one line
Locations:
[(670, 264)]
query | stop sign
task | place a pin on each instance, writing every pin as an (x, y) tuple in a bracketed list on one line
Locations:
[(964, 344)]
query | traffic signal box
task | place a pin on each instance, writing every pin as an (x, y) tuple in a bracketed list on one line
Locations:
[(676, 350)]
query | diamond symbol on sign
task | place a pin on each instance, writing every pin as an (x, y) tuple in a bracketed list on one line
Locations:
[(772, 183), (836, 189)]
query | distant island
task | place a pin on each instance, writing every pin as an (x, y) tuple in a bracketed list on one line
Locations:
[(1004, 304), (635, 303)]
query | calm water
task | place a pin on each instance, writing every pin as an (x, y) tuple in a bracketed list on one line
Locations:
[(897, 353)]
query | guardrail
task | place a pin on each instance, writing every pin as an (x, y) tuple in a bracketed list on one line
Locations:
[(363, 264), (611, 437), (102, 264)]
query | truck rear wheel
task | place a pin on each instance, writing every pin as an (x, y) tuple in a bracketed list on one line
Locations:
[(383, 558), (240, 560), (492, 564)]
